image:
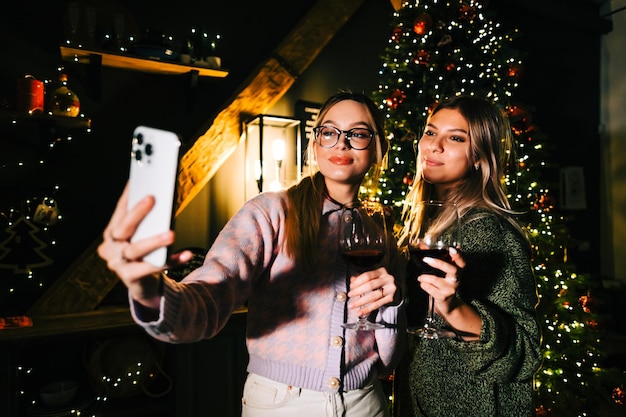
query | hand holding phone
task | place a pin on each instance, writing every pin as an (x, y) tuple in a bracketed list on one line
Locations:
[(153, 171)]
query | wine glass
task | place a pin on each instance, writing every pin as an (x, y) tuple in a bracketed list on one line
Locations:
[(439, 230), (362, 243)]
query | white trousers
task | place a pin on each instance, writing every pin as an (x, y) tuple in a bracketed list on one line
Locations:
[(263, 397)]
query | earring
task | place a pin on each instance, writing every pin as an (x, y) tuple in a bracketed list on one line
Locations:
[(476, 167)]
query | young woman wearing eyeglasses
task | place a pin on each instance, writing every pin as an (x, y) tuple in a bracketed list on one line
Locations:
[(279, 254)]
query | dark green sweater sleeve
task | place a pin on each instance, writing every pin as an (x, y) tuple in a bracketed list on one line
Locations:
[(499, 282), (493, 375)]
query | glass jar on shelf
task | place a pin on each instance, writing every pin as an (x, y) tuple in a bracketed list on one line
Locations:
[(62, 100)]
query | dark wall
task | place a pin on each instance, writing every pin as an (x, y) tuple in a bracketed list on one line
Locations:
[(561, 88)]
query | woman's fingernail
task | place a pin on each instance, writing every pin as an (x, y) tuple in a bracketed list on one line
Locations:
[(427, 259), (453, 251)]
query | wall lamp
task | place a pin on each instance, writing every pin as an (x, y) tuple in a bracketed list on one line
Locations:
[(274, 153)]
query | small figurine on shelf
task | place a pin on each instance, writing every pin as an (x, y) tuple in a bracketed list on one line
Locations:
[(63, 101), (204, 49), (187, 50)]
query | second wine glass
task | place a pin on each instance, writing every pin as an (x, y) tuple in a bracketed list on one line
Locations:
[(363, 243), (439, 230)]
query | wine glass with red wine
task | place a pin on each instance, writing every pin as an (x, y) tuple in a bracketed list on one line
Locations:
[(362, 243), (439, 230)]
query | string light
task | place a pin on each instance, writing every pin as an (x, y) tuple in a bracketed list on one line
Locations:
[(27, 220)]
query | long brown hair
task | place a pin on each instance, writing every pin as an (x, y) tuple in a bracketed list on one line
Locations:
[(307, 197), (491, 150)]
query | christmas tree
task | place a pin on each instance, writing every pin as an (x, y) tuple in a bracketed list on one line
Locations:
[(439, 49)]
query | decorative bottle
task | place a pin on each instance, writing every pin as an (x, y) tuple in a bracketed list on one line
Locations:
[(63, 101)]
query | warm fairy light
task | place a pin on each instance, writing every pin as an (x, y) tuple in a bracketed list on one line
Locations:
[(20, 214)]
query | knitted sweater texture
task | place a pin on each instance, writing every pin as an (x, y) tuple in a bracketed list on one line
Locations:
[(294, 318), (491, 377)]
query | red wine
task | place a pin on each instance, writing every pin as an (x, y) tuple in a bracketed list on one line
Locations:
[(364, 258), (417, 257)]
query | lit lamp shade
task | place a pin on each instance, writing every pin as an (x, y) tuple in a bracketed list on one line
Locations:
[(274, 153)]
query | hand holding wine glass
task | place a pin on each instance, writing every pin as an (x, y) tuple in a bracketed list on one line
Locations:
[(439, 230), (362, 243)]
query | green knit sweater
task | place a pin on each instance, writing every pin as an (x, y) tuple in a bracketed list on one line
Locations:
[(493, 376)]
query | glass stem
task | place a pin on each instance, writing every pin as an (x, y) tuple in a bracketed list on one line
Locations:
[(431, 309)]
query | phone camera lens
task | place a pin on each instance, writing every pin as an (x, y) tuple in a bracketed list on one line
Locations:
[(138, 155), (140, 138), (148, 149)]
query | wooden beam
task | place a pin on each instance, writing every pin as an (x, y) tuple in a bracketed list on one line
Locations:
[(88, 280), (397, 4), (264, 88)]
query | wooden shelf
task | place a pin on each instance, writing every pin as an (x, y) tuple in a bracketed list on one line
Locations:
[(63, 324), (15, 117), (103, 319), (133, 63)]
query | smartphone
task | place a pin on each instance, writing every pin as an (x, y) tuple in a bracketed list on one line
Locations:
[(153, 171)]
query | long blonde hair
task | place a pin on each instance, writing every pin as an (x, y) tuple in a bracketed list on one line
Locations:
[(491, 150), (307, 197)]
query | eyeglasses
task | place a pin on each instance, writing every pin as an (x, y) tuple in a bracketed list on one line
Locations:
[(358, 138)]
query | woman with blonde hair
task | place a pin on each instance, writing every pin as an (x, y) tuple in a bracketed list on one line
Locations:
[(488, 295)]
